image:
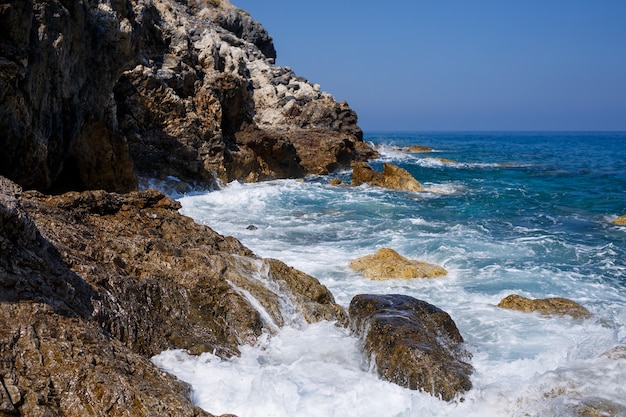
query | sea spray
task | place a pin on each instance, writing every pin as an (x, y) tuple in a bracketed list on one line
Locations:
[(525, 214)]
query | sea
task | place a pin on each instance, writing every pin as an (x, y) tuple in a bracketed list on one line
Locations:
[(525, 213)]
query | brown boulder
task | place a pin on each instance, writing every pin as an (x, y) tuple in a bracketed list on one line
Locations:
[(620, 221), (416, 149), (392, 177), (389, 264), (412, 343), (547, 306)]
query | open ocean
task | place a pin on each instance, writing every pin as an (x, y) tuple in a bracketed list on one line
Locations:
[(523, 213)]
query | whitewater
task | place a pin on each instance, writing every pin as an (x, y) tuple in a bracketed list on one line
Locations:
[(504, 213)]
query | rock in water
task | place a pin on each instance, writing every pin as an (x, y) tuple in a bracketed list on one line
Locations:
[(392, 177), (389, 264), (547, 306), (412, 343), (620, 221)]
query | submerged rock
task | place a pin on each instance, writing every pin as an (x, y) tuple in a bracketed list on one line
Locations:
[(547, 306), (416, 149), (412, 343), (392, 177), (93, 284), (620, 221), (389, 264)]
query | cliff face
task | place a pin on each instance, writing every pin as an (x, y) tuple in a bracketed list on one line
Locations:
[(184, 89)]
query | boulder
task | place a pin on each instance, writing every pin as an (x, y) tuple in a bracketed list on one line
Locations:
[(389, 264), (546, 306), (620, 221), (392, 177), (416, 149), (92, 284), (412, 343)]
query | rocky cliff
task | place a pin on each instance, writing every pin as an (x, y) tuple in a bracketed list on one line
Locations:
[(97, 95), (95, 92)]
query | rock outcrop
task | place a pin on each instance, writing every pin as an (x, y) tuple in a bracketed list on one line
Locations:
[(392, 177), (388, 264), (92, 284), (184, 89), (620, 221), (412, 343), (546, 306)]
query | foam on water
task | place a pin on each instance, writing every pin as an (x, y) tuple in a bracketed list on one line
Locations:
[(495, 231)]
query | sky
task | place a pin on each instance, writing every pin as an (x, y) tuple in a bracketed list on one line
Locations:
[(458, 64)]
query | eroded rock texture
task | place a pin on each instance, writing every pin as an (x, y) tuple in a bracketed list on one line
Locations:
[(392, 177), (412, 343), (92, 284), (388, 264), (547, 306), (184, 89)]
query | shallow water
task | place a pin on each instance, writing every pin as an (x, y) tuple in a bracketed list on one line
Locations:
[(523, 213)]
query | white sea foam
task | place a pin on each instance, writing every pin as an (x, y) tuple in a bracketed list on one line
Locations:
[(526, 364)]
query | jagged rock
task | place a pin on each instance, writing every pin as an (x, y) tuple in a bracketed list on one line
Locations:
[(547, 306), (58, 63), (188, 89), (389, 264), (209, 104), (412, 343), (620, 221), (92, 284), (392, 177)]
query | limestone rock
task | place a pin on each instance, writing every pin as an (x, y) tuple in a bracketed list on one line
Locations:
[(620, 221), (389, 264), (412, 343), (547, 306), (92, 284), (186, 89), (392, 177)]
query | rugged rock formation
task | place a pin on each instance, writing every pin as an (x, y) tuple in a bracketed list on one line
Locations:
[(392, 177), (620, 221), (92, 284), (189, 88), (389, 264), (412, 343), (547, 306)]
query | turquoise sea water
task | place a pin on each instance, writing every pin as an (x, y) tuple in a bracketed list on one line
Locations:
[(524, 213)]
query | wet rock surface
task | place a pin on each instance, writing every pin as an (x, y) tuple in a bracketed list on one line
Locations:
[(92, 284), (389, 264), (547, 306), (392, 177), (412, 343)]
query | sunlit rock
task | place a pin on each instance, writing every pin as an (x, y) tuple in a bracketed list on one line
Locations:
[(412, 343), (547, 306), (392, 177), (389, 264), (620, 221)]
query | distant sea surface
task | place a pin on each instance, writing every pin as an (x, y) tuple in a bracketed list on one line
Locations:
[(506, 213)]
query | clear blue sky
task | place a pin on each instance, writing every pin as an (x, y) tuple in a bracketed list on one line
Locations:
[(459, 64)]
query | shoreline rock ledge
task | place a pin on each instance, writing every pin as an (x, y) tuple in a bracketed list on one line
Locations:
[(412, 343), (93, 284)]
